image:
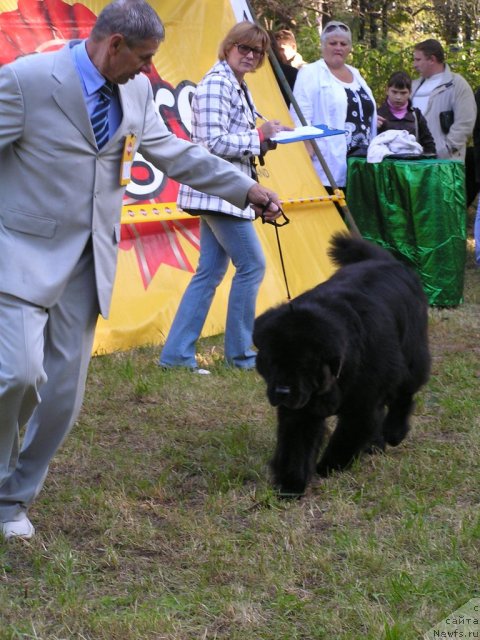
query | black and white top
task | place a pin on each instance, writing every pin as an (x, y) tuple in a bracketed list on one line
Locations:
[(360, 112)]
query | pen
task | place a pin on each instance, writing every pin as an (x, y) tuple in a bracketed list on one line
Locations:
[(260, 117)]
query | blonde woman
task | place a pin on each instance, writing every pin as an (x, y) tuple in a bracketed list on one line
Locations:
[(224, 121)]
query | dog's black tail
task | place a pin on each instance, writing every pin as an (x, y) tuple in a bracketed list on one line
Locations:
[(346, 249)]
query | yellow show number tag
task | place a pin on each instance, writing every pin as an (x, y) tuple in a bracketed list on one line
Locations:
[(127, 159)]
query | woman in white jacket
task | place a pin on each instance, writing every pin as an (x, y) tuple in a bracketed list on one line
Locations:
[(333, 93)]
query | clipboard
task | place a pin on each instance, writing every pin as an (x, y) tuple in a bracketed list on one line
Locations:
[(308, 132)]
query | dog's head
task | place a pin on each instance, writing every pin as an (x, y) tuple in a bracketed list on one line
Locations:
[(296, 358)]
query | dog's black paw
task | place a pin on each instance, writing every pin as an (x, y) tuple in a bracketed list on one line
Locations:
[(375, 447), (395, 437), (288, 495), (326, 467), (289, 488)]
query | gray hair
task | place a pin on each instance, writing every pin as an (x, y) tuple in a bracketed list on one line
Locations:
[(336, 28), (135, 20)]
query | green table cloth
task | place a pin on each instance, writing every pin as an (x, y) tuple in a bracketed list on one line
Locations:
[(417, 210)]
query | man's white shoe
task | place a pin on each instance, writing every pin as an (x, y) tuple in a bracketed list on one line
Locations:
[(22, 528)]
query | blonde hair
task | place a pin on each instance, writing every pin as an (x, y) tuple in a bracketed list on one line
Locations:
[(245, 33)]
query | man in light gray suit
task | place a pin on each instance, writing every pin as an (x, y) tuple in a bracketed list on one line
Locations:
[(60, 204)]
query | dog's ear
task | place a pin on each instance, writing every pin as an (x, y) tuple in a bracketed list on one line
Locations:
[(328, 379)]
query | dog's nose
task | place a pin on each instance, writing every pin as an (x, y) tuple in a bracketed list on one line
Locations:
[(282, 390)]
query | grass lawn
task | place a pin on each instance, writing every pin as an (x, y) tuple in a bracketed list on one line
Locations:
[(157, 520)]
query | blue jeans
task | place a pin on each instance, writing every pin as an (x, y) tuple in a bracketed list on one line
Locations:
[(222, 238)]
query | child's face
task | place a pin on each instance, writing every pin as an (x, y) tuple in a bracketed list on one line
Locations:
[(398, 97)]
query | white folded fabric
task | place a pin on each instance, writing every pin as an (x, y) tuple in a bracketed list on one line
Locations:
[(393, 142)]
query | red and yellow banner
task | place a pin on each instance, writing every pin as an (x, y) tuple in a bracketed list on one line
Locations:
[(159, 245)]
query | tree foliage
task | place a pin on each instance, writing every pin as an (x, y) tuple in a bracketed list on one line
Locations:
[(384, 32), (377, 23), (376, 66)]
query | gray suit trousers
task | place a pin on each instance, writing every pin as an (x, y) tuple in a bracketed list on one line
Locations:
[(44, 357)]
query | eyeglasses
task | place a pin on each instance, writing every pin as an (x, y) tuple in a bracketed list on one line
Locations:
[(334, 27), (244, 50)]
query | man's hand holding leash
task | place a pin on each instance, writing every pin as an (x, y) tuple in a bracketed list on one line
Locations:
[(265, 203)]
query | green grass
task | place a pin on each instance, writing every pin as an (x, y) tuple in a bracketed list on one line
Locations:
[(158, 521)]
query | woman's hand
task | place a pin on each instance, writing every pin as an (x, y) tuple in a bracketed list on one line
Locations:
[(270, 128)]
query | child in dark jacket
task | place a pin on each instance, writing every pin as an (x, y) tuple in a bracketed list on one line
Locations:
[(398, 113)]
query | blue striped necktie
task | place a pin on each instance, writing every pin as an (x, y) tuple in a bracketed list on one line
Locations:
[(99, 116)]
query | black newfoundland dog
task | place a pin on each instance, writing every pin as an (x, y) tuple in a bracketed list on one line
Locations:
[(355, 346)]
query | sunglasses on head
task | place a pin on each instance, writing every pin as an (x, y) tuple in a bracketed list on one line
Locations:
[(334, 27), (244, 50)]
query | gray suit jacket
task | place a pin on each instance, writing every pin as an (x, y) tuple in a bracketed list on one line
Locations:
[(57, 190)]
